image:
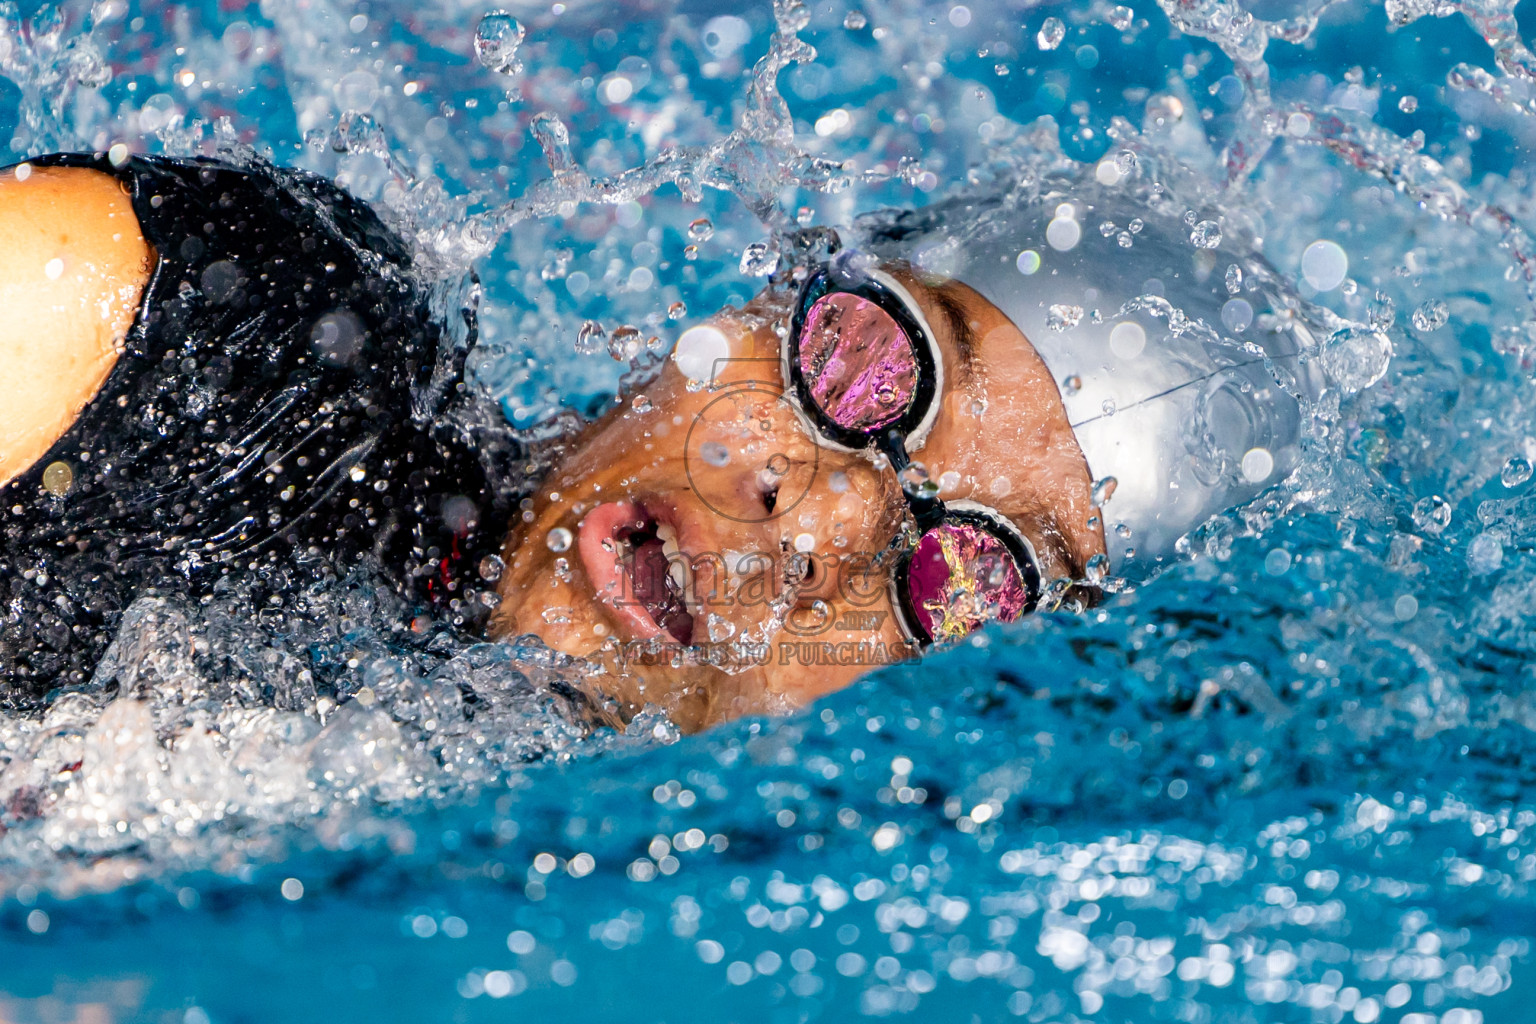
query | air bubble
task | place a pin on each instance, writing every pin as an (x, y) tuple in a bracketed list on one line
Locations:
[(1051, 33), (497, 40), (558, 539)]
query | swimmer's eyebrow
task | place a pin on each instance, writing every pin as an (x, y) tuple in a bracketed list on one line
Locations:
[(958, 322)]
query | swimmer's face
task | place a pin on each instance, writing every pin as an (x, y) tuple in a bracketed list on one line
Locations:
[(787, 592)]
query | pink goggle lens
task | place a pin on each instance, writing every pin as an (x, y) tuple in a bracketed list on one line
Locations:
[(858, 363), (960, 578)]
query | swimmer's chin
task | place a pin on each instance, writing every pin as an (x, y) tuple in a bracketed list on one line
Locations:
[(694, 697)]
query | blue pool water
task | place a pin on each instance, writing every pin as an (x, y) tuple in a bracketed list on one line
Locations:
[(1288, 780)]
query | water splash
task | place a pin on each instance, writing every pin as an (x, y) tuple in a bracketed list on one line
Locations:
[(1306, 737)]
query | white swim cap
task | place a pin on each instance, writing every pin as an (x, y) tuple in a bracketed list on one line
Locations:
[(1183, 360)]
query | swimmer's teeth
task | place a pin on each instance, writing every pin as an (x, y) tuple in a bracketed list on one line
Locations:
[(677, 563)]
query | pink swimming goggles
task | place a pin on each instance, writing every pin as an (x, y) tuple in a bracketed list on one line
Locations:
[(866, 374)]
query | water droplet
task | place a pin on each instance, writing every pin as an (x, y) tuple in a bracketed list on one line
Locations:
[(916, 482), (701, 230), (558, 266), (1097, 567), (715, 453), (1237, 314), (1062, 317), (1121, 17), (1430, 315), (58, 478), (626, 343), (690, 252), (1108, 407), (590, 339), (1127, 339), (700, 351), (1063, 232), (1324, 264), (496, 42), (1103, 490), (358, 474), (1485, 554), (1516, 471), (1257, 465), (491, 568), (1408, 104), (558, 539), (677, 311), (1206, 235), (1432, 514), (721, 629), (1051, 33), (1072, 385), (1277, 562), (1382, 312), (855, 21), (640, 403), (1356, 357), (758, 260), (557, 616)]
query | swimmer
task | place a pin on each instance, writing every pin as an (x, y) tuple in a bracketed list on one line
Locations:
[(963, 414)]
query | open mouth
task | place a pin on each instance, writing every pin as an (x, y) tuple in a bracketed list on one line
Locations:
[(638, 570)]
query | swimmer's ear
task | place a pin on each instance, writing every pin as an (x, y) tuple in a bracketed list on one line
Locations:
[(73, 266)]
